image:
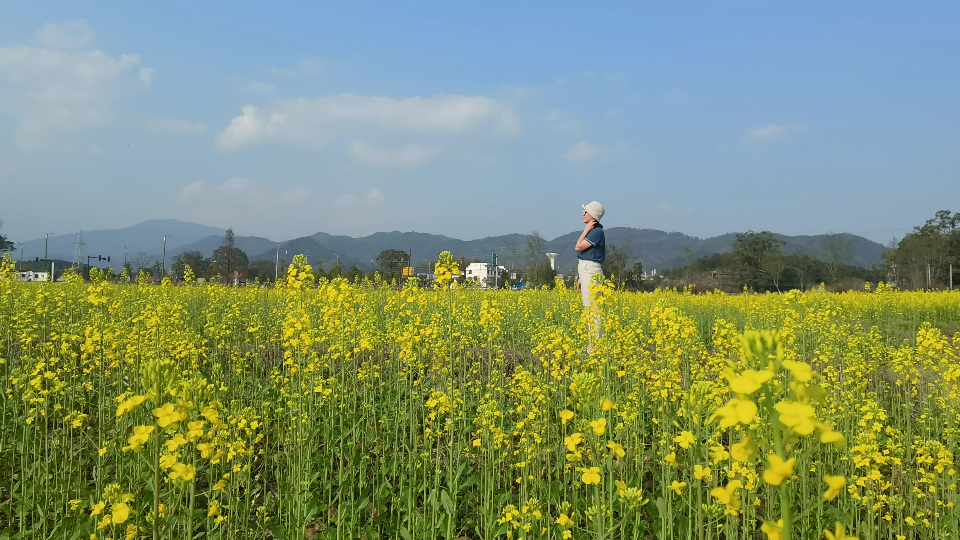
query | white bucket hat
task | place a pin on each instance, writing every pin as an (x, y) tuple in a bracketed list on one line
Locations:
[(595, 209)]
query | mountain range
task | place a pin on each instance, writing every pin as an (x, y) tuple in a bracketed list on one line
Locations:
[(656, 249)]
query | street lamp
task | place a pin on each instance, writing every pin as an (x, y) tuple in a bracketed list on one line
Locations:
[(21, 257)]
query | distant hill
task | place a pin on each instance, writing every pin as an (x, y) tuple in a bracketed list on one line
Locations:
[(656, 249), (207, 245), (145, 237), (315, 253)]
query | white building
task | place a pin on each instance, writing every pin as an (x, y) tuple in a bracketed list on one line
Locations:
[(33, 276), (486, 273)]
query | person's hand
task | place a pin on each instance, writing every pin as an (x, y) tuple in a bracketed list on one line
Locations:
[(578, 285), (591, 224)]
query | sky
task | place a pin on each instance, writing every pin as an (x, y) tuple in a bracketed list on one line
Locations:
[(479, 119)]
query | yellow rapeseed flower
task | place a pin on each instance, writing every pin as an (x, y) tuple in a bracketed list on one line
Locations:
[(177, 441), (736, 411), (183, 471), (677, 487), (599, 426), (591, 475), (119, 513), (168, 415), (130, 405), (836, 485), (616, 449), (743, 451), (749, 380), (839, 534), (801, 371), (798, 416), (562, 520), (572, 441), (685, 439), (565, 416), (774, 531), (700, 472), (141, 434), (779, 470)]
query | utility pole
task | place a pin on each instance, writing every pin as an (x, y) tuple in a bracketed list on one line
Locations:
[(163, 263), (276, 270), (45, 241), (338, 258), (951, 276), (21, 257), (928, 275)]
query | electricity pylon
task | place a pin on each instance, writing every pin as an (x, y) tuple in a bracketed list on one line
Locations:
[(78, 254)]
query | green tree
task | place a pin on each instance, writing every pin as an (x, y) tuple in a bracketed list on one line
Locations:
[(192, 258), (5, 243), (536, 251), (837, 252), (753, 249), (922, 258), (615, 263), (228, 258), (390, 261)]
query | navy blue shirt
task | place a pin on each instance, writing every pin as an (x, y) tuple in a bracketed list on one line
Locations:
[(599, 250)]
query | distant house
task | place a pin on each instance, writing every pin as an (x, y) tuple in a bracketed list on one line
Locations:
[(488, 274), (33, 276)]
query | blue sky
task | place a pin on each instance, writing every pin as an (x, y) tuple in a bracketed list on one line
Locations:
[(474, 120)]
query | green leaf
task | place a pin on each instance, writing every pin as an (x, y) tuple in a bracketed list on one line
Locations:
[(447, 502)]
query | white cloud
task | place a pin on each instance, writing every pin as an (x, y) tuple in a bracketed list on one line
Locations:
[(146, 75), (68, 35), (281, 213), (583, 151), (174, 126), (562, 121), (589, 74), (250, 86), (374, 197), (311, 123), (411, 157), (56, 91), (239, 199), (773, 131), (664, 206), (309, 66)]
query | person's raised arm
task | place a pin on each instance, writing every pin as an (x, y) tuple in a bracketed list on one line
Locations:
[(582, 243)]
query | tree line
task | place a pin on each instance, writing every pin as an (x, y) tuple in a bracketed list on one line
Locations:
[(927, 257)]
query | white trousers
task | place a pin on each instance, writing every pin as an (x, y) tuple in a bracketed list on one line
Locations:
[(586, 270)]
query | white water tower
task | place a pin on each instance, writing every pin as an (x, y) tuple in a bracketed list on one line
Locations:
[(552, 257)]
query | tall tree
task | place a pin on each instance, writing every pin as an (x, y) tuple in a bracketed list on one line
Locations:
[(5, 243), (192, 258), (536, 251), (922, 258), (228, 257), (753, 249), (390, 261), (615, 263), (837, 252)]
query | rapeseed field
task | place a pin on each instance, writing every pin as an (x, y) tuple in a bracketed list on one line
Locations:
[(360, 410)]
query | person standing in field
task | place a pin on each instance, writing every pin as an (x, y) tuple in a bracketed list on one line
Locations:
[(591, 249)]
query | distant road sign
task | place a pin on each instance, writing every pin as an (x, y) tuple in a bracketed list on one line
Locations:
[(407, 271)]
